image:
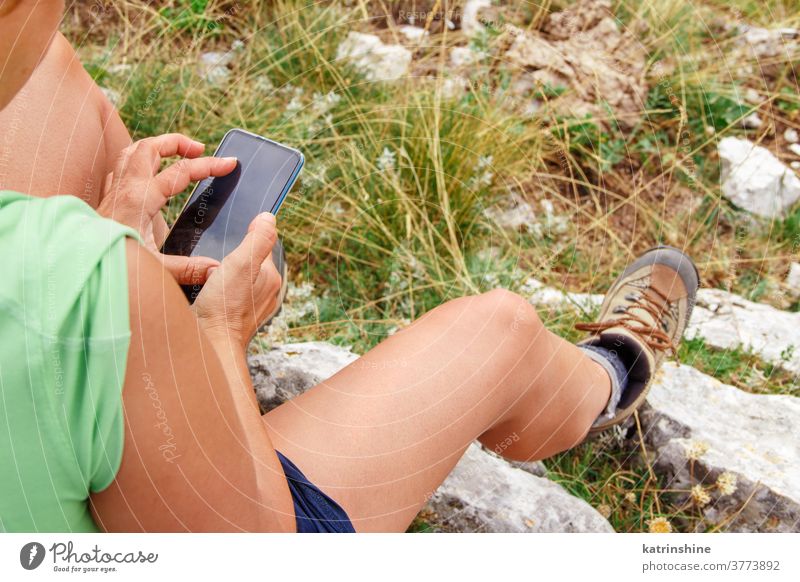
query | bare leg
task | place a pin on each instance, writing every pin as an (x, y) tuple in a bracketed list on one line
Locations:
[(61, 134), (381, 435)]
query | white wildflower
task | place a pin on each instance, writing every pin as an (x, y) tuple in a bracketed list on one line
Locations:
[(321, 104), (294, 105), (726, 483), (263, 84), (696, 450), (659, 525), (700, 496), (387, 161)]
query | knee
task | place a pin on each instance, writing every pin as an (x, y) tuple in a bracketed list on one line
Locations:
[(507, 313)]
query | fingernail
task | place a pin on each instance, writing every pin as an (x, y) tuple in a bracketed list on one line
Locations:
[(268, 217), (201, 144), (230, 159)]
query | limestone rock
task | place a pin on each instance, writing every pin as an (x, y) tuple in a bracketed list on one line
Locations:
[(413, 33), (484, 493), (470, 23), (793, 279), (376, 60), (513, 213), (289, 370), (756, 180), (584, 52), (751, 439), (769, 42), (726, 321)]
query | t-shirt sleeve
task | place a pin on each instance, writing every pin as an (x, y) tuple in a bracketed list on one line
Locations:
[(86, 324)]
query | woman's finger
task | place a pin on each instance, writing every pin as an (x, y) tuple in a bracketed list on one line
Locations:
[(176, 177), (256, 246), (188, 270), (167, 145)]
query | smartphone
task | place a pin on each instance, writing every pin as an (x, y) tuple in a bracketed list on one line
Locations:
[(215, 218)]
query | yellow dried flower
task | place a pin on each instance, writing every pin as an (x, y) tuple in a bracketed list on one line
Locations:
[(696, 449), (726, 483), (700, 495), (630, 496), (604, 510), (659, 525)]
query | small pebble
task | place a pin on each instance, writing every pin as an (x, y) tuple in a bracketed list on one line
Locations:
[(791, 135), (752, 121)]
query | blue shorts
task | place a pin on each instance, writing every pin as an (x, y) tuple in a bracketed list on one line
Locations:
[(315, 512)]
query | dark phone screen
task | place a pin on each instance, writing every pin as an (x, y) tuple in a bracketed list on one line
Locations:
[(216, 216)]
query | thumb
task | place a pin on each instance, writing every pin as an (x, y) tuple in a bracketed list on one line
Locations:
[(257, 244), (188, 270)]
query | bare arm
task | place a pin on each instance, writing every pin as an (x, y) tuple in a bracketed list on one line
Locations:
[(197, 456)]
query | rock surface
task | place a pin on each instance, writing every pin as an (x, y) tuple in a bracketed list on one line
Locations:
[(484, 493), (583, 51), (288, 370), (752, 438), (725, 321), (756, 180), (376, 60), (470, 22), (793, 280)]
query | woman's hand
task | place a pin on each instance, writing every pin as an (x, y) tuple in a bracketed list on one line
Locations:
[(136, 192), (243, 291)]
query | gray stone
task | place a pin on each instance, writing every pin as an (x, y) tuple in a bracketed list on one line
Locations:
[(752, 121), (470, 22), (484, 493), (288, 370), (751, 439), (376, 60), (726, 321), (791, 135), (513, 213), (755, 180), (793, 280), (413, 33)]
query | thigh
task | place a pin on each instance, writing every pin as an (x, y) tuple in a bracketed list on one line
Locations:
[(61, 135), (382, 434)]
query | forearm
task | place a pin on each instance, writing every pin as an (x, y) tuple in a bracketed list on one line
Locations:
[(232, 354)]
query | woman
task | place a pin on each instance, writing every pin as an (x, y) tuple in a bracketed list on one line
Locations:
[(129, 410)]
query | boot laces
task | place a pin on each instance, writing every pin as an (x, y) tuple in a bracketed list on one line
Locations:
[(650, 300)]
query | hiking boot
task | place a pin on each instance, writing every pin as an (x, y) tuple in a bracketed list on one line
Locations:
[(642, 319)]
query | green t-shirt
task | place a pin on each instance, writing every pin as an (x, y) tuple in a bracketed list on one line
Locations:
[(63, 347)]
